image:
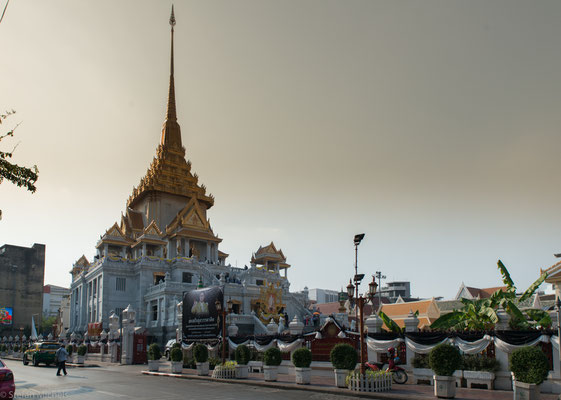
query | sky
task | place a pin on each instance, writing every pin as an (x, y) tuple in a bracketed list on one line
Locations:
[(433, 127)]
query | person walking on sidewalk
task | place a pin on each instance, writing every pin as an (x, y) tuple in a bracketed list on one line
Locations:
[(60, 357)]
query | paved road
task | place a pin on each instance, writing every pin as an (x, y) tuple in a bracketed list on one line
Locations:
[(126, 382)]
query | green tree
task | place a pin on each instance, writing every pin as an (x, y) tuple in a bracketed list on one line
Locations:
[(18, 175), (481, 314)]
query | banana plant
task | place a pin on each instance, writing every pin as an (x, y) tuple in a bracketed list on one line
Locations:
[(481, 314)]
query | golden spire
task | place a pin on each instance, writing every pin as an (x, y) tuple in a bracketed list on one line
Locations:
[(171, 134)]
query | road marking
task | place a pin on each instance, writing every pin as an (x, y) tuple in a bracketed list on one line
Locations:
[(111, 394)]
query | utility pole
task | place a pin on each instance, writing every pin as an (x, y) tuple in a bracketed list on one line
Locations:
[(380, 277)]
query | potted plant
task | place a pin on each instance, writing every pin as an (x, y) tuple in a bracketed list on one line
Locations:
[(176, 355), (154, 355), (344, 358), (15, 354), (302, 358), (69, 350), (82, 350), (272, 358), (530, 368), (444, 359), (200, 353), (480, 370), (243, 356)]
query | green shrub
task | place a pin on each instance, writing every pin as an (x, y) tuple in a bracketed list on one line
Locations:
[(200, 353), (529, 365), (16, 348), (176, 345), (213, 362), (176, 354), (302, 358), (444, 359), (82, 350), (343, 356), (420, 361), (69, 349), (272, 357), (480, 363), (154, 352), (242, 354)]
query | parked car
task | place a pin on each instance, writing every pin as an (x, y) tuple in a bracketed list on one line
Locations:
[(167, 350), (7, 385), (41, 352)]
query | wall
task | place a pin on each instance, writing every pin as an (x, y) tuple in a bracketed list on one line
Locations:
[(22, 270)]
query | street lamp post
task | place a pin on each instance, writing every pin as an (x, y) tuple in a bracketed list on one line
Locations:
[(223, 313), (360, 302), (380, 277), (357, 278), (558, 306)]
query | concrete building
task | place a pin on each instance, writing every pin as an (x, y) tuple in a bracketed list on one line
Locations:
[(22, 271), (397, 289), (320, 296), (164, 246), (52, 299)]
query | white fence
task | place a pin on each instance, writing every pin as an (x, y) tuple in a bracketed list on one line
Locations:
[(365, 383)]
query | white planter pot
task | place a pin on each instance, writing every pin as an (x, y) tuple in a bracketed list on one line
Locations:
[(444, 386), (479, 378), (340, 377), (153, 365), (423, 374), (303, 375), (176, 367), (270, 372), (80, 359), (202, 369), (526, 391), (242, 371)]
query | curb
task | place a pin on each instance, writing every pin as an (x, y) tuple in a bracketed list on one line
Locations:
[(294, 386)]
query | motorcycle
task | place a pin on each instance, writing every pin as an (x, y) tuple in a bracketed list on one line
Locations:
[(399, 375)]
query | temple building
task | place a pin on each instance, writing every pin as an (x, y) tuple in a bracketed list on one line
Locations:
[(164, 245)]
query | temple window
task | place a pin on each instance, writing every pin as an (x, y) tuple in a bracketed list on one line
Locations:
[(187, 277), (259, 282), (120, 284), (159, 278), (155, 312)]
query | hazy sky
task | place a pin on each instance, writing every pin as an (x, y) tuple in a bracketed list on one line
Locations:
[(432, 126)]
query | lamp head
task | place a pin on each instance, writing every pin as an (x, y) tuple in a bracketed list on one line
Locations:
[(350, 289), (358, 238), (372, 287), (230, 304), (218, 305)]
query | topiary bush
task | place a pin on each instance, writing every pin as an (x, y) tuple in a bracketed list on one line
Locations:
[(213, 362), (69, 349), (529, 365), (242, 354), (272, 357), (343, 356), (154, 352), (176, 345), (82, 350), (444, 359), (200, 353), (176, 354), (302, 358)]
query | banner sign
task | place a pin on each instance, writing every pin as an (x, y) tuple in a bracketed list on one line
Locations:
[(200, 317), (94, 329), (6, 315)]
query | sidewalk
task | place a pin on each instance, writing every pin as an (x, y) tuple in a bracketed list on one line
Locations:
[(326, 385)]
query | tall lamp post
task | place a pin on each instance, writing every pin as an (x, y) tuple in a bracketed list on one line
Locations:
[(558, 306), (358, 277), (223, 313), (360, 302)]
